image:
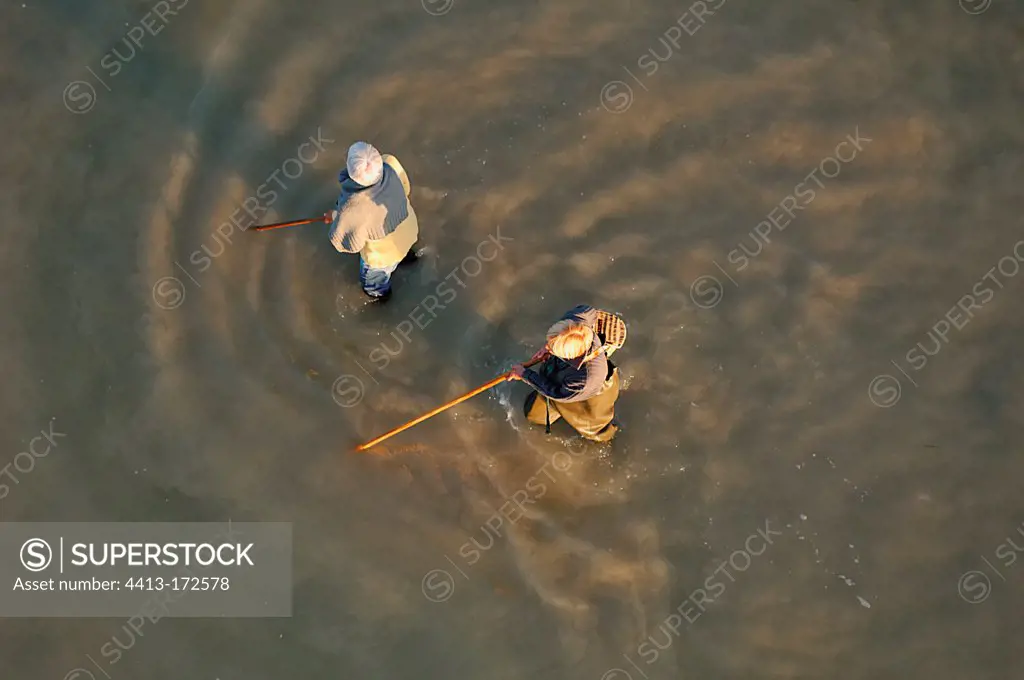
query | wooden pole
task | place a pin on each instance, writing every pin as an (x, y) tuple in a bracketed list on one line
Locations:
[(293, 223), (430, 414)]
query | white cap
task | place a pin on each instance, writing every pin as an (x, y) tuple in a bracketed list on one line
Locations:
[(364, 165)]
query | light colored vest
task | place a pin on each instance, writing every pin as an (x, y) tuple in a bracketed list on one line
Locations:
[(391, 249)]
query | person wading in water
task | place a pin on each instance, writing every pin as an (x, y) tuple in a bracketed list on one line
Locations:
[(373, 217), (576, 380)]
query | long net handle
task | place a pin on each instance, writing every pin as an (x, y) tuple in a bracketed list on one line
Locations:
[(430, 414), (293, 223)]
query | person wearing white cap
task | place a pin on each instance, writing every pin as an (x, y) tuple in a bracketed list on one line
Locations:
[(373, 217)]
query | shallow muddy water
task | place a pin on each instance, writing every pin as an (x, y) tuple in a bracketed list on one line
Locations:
[(808, 213)]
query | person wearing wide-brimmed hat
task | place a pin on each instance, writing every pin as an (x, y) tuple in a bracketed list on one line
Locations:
[(576, 381)]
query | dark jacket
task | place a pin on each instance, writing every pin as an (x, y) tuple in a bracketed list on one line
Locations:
[(567, 381)]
